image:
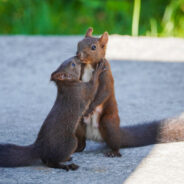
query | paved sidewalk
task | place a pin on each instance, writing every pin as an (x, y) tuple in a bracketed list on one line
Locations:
[(145, 91), (146, 49)]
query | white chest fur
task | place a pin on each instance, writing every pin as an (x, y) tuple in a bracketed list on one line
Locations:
[(92, 122), (88, 71), (92, 126)]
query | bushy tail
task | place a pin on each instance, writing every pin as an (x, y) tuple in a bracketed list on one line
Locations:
[(168, 130), (15, 156)]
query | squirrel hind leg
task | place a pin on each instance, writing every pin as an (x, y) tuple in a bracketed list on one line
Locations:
[(110, 131)]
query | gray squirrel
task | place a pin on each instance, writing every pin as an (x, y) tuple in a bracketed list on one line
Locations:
[(56, 140)]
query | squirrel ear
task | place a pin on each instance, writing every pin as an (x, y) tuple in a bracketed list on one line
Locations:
[(104, 38), (89, 32)]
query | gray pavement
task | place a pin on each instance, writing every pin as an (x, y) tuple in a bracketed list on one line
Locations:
[(145, 91)]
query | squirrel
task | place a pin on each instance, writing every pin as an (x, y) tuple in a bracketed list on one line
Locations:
[(56, 140), (101, 121)]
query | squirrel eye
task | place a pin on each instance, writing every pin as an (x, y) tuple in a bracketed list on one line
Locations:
[(73, 64), (93, 47)]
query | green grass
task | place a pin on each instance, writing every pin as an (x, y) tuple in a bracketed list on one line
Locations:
[(136, 16), (55, 17)]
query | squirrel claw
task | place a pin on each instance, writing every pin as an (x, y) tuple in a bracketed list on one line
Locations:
[(113, 154), (73, 167)]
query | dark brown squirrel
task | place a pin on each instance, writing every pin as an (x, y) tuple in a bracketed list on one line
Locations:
[(56, 140), (102, 122)]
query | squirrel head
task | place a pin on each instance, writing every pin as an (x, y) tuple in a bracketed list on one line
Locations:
[(69, 70), (92, 49)]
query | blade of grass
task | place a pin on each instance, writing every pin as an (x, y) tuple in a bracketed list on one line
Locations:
[(154, 28), (136, 16)]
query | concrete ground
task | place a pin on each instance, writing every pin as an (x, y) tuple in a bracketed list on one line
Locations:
[(145, 91)]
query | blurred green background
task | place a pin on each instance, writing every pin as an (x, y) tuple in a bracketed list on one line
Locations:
[(66, 17)]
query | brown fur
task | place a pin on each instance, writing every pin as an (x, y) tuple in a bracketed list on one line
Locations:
[(109, 118), (109, 121)]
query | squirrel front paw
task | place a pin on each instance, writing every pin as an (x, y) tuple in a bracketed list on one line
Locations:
[(89, 112), (101, 66)]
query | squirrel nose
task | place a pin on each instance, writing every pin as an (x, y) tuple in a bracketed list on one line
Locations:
[(52, 77)]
